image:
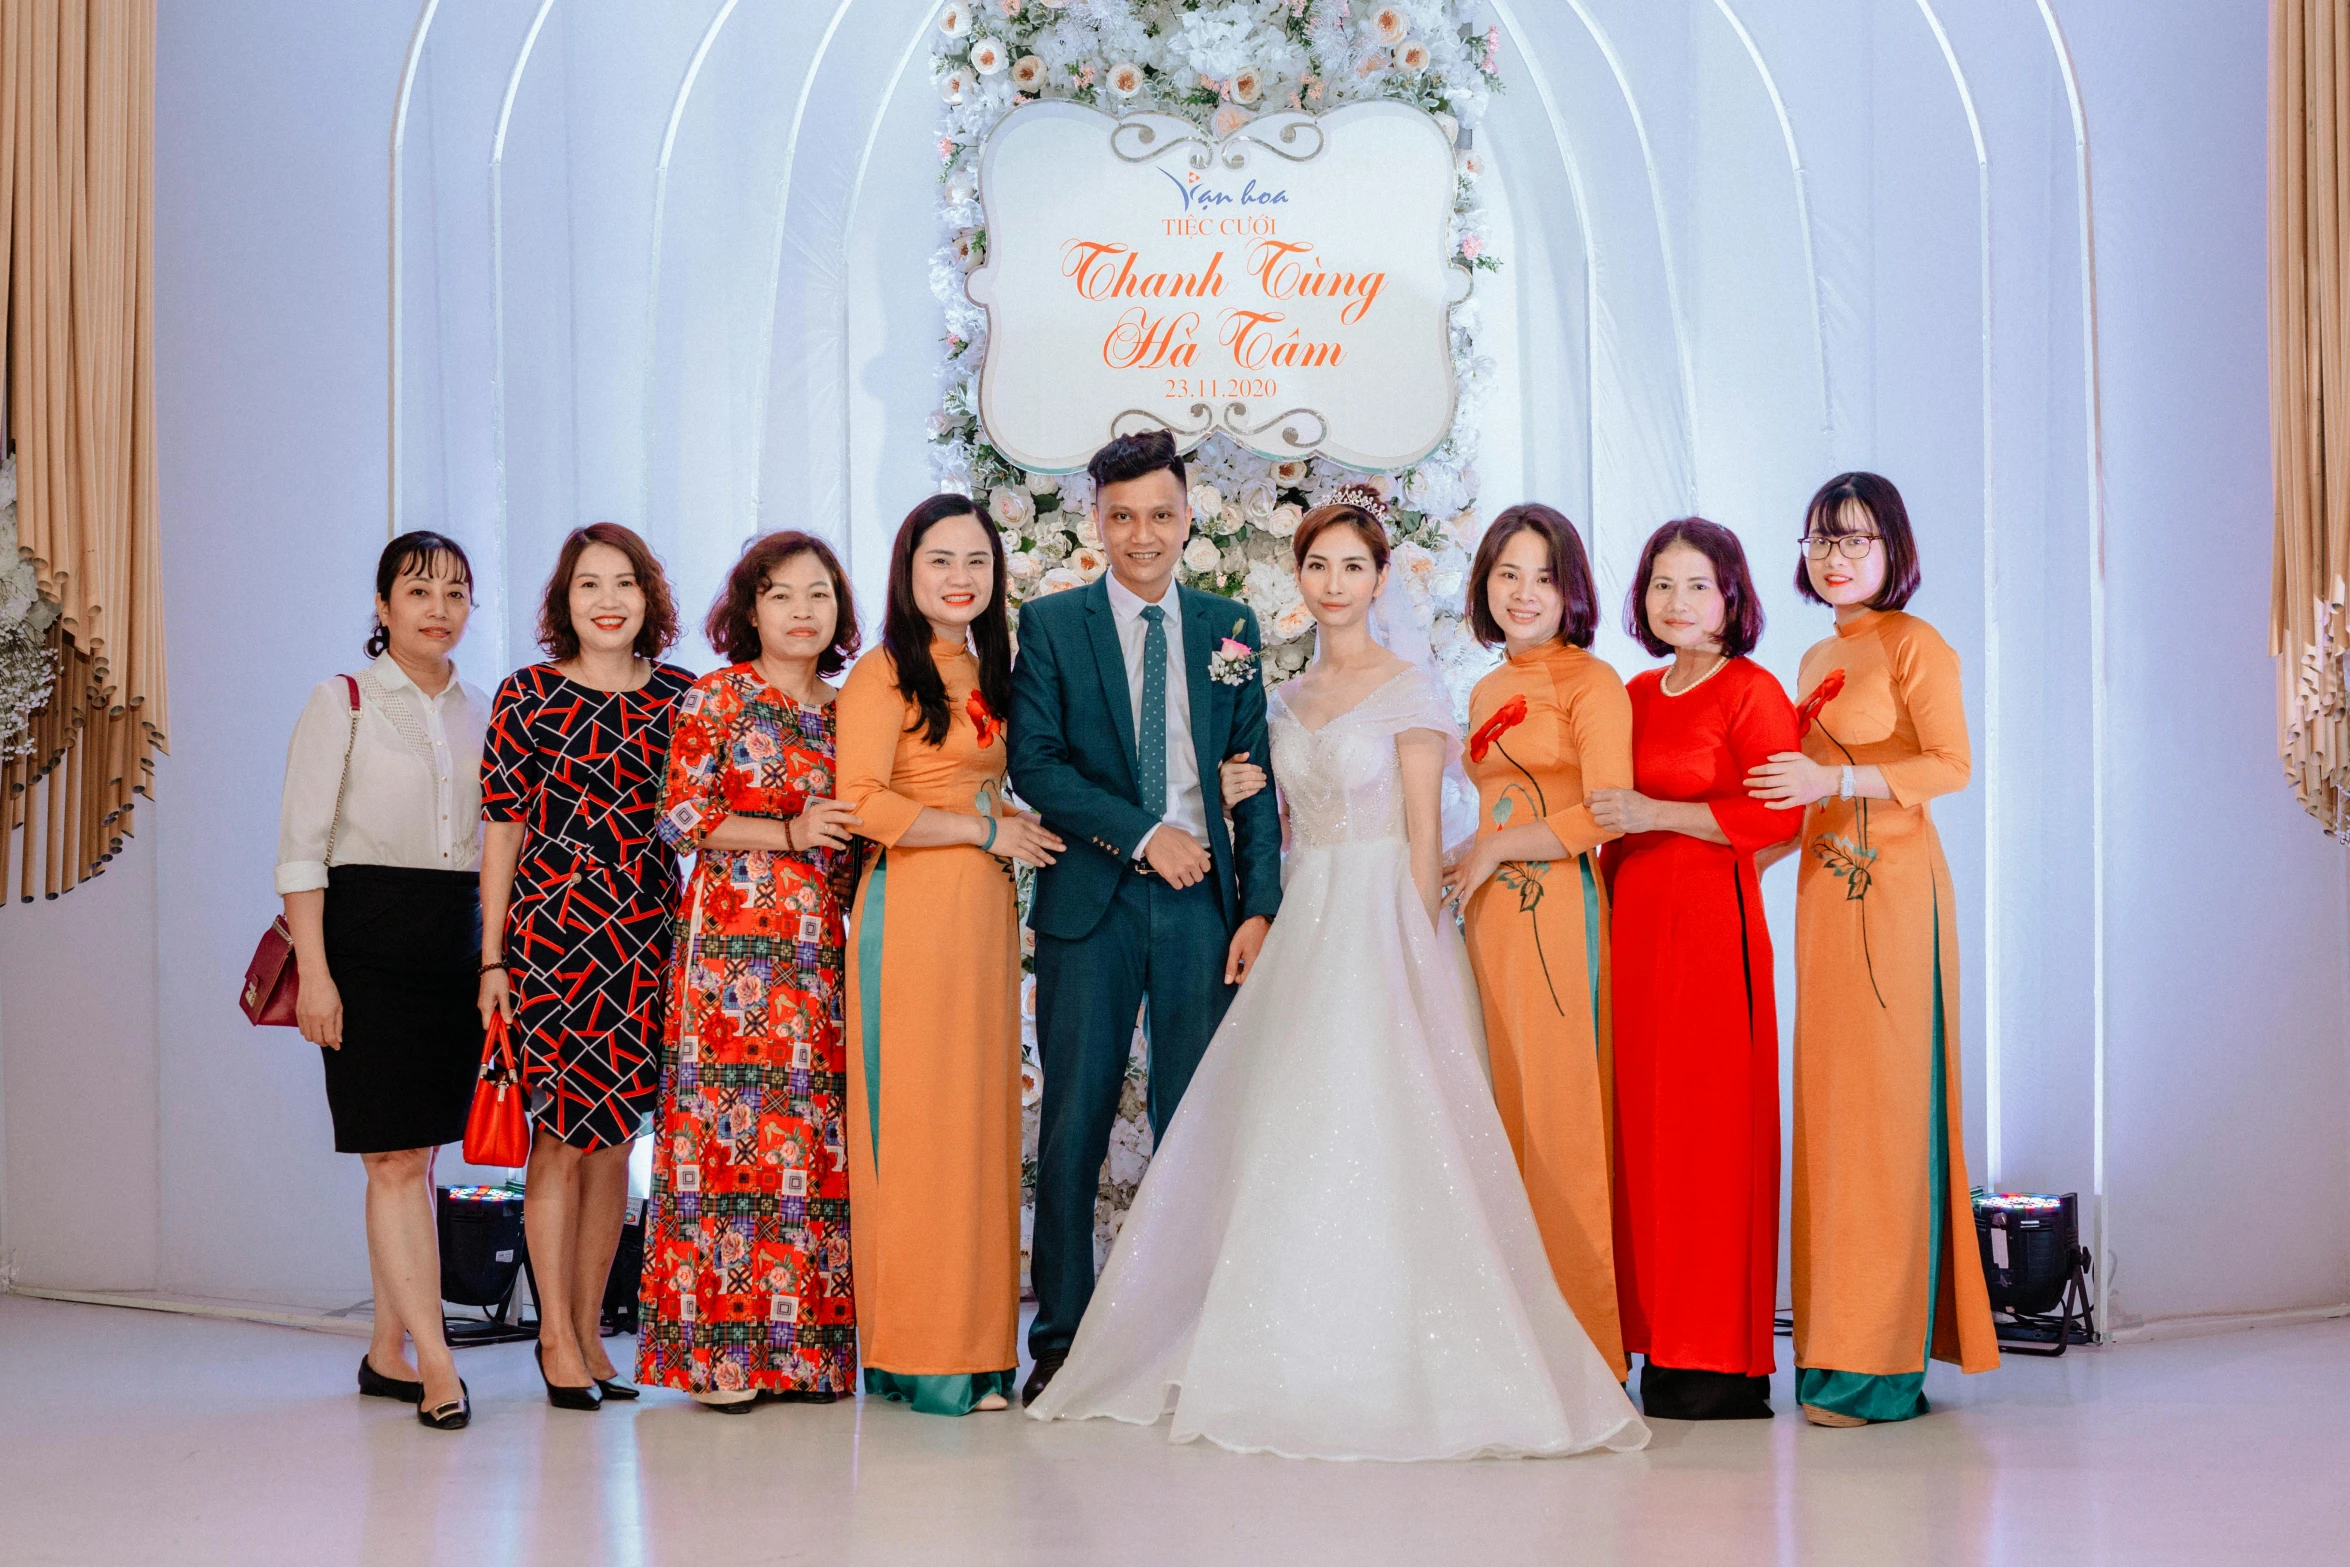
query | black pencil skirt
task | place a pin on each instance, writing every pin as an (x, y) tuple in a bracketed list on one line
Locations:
[(404, 947)]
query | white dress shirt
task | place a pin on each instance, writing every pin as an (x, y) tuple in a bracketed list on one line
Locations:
[(414, 794), (1186, 806)]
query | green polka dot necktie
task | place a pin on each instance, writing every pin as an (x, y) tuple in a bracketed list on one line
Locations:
[(1151, 742)]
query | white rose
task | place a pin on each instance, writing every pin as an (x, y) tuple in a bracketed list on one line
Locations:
[(1257, 500), (1416, 564), (1207, 502), (1022, 565), (1289, 475), (1413, 56), (1283, 521), (1058, 579), (1390, 24), (989, 57), (1233, 562), (1009, 507), (1248, 86), (1042, 484), (960, 189), (1229, 118), (955, 83), (1028, 73), (1087, 533), (1088, 561), (955, 20), (1123, 80), (1201, 554), (1295, 621), (1268, 587)]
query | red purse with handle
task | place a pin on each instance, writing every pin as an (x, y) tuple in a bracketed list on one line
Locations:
[(272, 979), (497, 1131)]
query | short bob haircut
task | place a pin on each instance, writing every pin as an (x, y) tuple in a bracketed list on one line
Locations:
[(733, 626), (559, 638), (1570, 568), (1340, 514), (1824, 517), (1131, 457), (418, 554), (1742, 616)]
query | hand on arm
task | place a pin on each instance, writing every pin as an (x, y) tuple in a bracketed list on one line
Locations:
[(1239, 778), (1625, 811), (821, 824), (1042, 769), (1790, 780)]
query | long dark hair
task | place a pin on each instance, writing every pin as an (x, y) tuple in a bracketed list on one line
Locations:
[(905, 630), (420, 552)]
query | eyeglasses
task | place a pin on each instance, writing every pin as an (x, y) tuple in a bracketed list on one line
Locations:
[(1852, 546)]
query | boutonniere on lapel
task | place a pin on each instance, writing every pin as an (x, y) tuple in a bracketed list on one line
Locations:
[(988, 725), (1234, 661)]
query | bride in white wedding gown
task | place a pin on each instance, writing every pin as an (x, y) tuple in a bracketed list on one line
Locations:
[(1332, 1255)]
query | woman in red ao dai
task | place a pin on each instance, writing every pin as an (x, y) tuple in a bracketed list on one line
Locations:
[(1696, 1024)]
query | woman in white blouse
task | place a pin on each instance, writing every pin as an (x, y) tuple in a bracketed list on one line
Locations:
[(379, 858)]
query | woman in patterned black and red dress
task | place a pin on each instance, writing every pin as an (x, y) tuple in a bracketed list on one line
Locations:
[(578, 897), (746, 1283)]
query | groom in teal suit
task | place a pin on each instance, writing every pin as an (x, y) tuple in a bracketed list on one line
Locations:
[(1117, 728)]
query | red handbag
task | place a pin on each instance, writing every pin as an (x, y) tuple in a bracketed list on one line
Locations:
[(497, 1132), (272, 979)]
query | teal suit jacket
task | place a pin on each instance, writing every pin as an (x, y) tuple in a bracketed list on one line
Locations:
[(1073, 756)]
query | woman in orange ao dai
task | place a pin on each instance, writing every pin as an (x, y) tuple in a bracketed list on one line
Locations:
[(1886, 1270), (1548, 727), (934, 975)]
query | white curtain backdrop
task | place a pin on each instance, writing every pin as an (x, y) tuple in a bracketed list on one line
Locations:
[(668, 264)]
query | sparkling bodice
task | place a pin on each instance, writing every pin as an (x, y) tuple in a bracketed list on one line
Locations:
[(1342, 782)]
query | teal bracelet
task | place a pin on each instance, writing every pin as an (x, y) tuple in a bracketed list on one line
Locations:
[(990, 844)]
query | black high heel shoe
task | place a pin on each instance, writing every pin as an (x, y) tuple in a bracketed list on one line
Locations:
[(374, 1384), (616, 1391), (587, 1399), (455, 1415)]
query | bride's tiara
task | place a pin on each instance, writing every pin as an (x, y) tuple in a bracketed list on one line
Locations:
[(1363, 498)]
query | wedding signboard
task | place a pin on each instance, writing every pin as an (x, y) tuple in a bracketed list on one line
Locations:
[(1287, 286)]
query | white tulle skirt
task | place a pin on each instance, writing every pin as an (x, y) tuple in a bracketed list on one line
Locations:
[(1332, 1254)]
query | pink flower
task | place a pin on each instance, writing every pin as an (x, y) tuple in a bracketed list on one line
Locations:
[(1233, 647), (1473, 246)]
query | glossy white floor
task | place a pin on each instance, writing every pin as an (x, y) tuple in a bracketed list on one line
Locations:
[(137, 1437)]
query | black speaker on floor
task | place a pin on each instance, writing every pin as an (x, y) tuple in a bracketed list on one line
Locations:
[(483, 1254), (628, 1271), (2036, 1269)]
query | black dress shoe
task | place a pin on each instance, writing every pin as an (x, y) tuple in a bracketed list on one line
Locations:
[(732, 1406), (1048, 1366), (615, 1390), (801, 1395), (587, 1399), (374, 1384), (1675, 1393), (454, 1415)]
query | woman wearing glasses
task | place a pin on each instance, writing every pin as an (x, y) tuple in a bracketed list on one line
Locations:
[(1885, 1267)]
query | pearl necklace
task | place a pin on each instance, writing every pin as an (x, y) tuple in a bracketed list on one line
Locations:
[(1665, 681)]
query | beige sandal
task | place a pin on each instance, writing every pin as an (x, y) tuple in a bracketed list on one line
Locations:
[(1829, 1417)]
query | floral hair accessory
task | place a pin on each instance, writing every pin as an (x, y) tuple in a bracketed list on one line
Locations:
[(1807, 712), (1506, 718), (1234, 660)]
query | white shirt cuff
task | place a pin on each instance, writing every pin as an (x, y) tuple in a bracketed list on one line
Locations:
[(301, 876), (1146, 840)]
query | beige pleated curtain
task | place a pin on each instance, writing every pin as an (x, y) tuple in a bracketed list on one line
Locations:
[(2309, 394), (76, 270)]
